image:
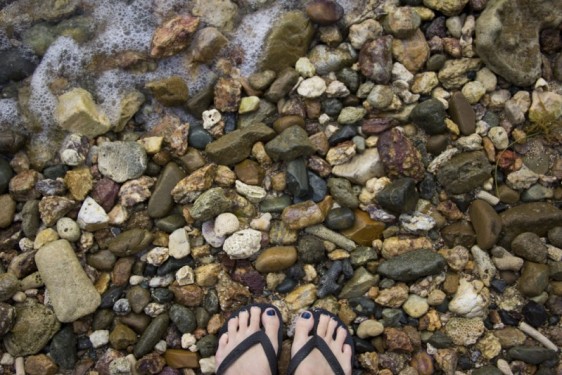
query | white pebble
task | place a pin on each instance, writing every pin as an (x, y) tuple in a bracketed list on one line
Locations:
[(68, 229), (92, 216), (211, 118), (136, 279), (262, 223), (207, 365), (312, 87), (499, 137), (305, 68), (161, 281), (187, 339), (25, 244), (157, 256), (20, 368), (226, 223), (243, 244), (254, 194), (7, 359), (178, 244), (154, 309), (161, 346), (485, 196), (337, 89), (99, 338), (185, 276), (19, 297)]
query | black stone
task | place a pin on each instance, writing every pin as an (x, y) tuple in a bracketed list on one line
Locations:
[(55, 171), (63, 348), (332, 107), (111, 296), (343, 134), (6, 174), (173, 264), (350, 78), (183, 318), (162, 295), (211, 302), (297, 178), (295, 272), (428, 187), (317, 187), (362, 306), (508, 319), (531, 354), (199, 137), (440, 340), (412, 265), (465, 363), (229, 119), (534, 314), (286, 285), (311, 249), (328, 282), (84, 343), (340, 218), (400, 196), (347, 268), (392, 317), (362, 346), (207, 346), (430, 116), (15, 65), (498, 285), (150, 270)]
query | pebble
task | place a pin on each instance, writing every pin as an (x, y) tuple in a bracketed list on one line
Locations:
[(534, 279), (312, 87), (415, 306), (369, 328), (243, 244)]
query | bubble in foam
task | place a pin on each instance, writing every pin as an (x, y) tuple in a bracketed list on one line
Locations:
[(10, 116)]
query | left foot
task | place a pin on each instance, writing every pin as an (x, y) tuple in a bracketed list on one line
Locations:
[(253, 361)]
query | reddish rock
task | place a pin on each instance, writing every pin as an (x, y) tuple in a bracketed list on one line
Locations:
[(40, 365), (375, 59), (173, 36), (377, 125), (122, 271), (228, 92), (22, 185), (324, 12), (397, 341), (150, 364), (187, 295), (105, 193), (423, 363), (249, 172), (399, 156), (248, 276)]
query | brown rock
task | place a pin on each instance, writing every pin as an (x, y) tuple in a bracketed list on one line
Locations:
[(301, 297), (276, 259), (377, 125), (447, 360), (232, 295), (138, 322), (397, 341), (324, 12), (206, 44), (122, 271), (207, 275), (459, 233), (534, 279), (451, 283), (364, 230), (40, 364), (486, 222), (150, 364), (79, 182), (302, 215), (319, 165), (191, 160), (105, 193), (399, 156), (536, 217), (189, 188), (510, 337), (53, 208), (375, 59), (507, 194), (173, 36), (188, 295), (286, 122), (228, 92), (22, 185), (423, 363), (462, 114), (320, 143), (8, 210), (249, 172), (411, 52), (171, 91), (122, 337)]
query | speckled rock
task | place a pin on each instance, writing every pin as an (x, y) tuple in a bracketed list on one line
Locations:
[(292, 143), (399, 156), (537, 217), (243, 244), (375, 59), (464, 331), (122, 161), (412, 265)]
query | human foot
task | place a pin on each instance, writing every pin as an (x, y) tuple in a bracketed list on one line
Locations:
[(238, 355), (327, 352)]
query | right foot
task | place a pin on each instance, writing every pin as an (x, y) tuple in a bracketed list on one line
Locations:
[(315, 363)]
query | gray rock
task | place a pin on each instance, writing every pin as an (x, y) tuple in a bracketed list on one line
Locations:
[(412, 265), (555, 236), (311, 249), (183, 318), (275, 204), (6, 174), (288, 40), (400, 196), (534, 279), (9, 285), (499, 43), (63, 348), (236, 146), (265, 113), (35, 325), (464, 172), (361, 281), (363, 255), (122, 161), (538, 217), (340, 218), (284, 82), (534, 355), (326, 59), (207, 346), (210, 204), (292, 143), (7, 318), (297, 178), (430, 116), (342, 191), (130, 242), (15, 65), (71, 292), (361, 168), (329, 235), (151, 335), (138, 298), (161, 201), (529, 246)]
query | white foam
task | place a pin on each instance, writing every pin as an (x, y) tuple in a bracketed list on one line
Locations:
[(10, 116)]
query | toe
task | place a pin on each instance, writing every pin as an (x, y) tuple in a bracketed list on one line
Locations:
[(331, 331), (255, 317), (243, 319), (303, 326), (233, 324), (270, 322), (341, 335), (323, 325)]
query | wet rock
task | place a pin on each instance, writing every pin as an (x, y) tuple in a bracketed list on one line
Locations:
[(178, 358), (486, 222), (537, 217), (152, 335), (412, 265), (173, 36), (495, 44), (301, 297), (361, 281), (183, 318), (77, 112), (534, 279), (35, 325), (130, 242), (340, 218), (15, 65), (364, 229), (171, 91), (288, 40), (122, 161), (289, 145), (531, 354), (324, 12), (236, 146), (206, 44), (430, 116), (462, 113), (464, 172), (400, 196), (375, 59), (276, 259)]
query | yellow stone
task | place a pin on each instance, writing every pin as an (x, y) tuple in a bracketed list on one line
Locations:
[(102, 283), (301, 297), (338, 254), (44, 237), (302, 215), (79, 182), (365, 230), (276, 259), (77, 112), (178, 358), (152, 145)]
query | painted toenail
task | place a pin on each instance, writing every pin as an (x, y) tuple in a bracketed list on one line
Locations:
[(271, 312), (306, 315)]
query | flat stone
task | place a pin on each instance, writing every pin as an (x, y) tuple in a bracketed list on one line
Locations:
[(122, 161), (171, 91), (302, 215), (288, 40), (289, 145), (361, 167), (486, 222), (534, 279), (151, 335), (534, 355), (161, 201), (529, 246), (77, 112), (276, 259), (412, 265), (179, 358), (400, 196), (71, 292), (536, 217), (361, 281), (462, 114), (340, 218), (464, 172), (364, 229)]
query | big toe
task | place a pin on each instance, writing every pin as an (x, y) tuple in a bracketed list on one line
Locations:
[(303, 326), (270, 322)]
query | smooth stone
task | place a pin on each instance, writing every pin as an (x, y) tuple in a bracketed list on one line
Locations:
[(151, 335), (63, 348), (400, 196), (35, 325), (68, 229), (361, 167), (30, 218), (138, 298), (290, 144), (275, 204), (286, 286), (430, 116), (340, 218), (486, 222), (535, 314), (364, 229), (301, 297), (103, 260), (122, 161), (161, 201), (199, 138), (324, 12), (207, 346), (302, 215), (250, 172), (288, 40), (183, 318), (534, 355), (462, 114), (236, 146), (276, 259), (9, 285), (130, 242), (297, 178), (318, 187), (415, 306), (464, 172), (361, 281), (534, 279), (529, 246), (536, 217), (178, 358), (412, 265), (71, 292)]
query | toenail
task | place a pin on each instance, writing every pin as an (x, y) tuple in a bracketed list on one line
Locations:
[(306, 315), (271, 312)]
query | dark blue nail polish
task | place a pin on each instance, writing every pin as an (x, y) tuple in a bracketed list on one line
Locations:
[(306, 315), (270, 312)]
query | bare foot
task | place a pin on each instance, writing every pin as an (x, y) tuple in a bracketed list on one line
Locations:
[(254, 360), (315, 363)]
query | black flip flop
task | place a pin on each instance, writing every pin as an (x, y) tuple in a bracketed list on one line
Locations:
[(256, 338), (318, 343)]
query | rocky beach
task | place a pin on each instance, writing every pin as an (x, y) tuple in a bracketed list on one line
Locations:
[(395, 162)]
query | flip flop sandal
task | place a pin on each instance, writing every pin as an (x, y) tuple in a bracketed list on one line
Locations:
[(316, 342), (256, 338)]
